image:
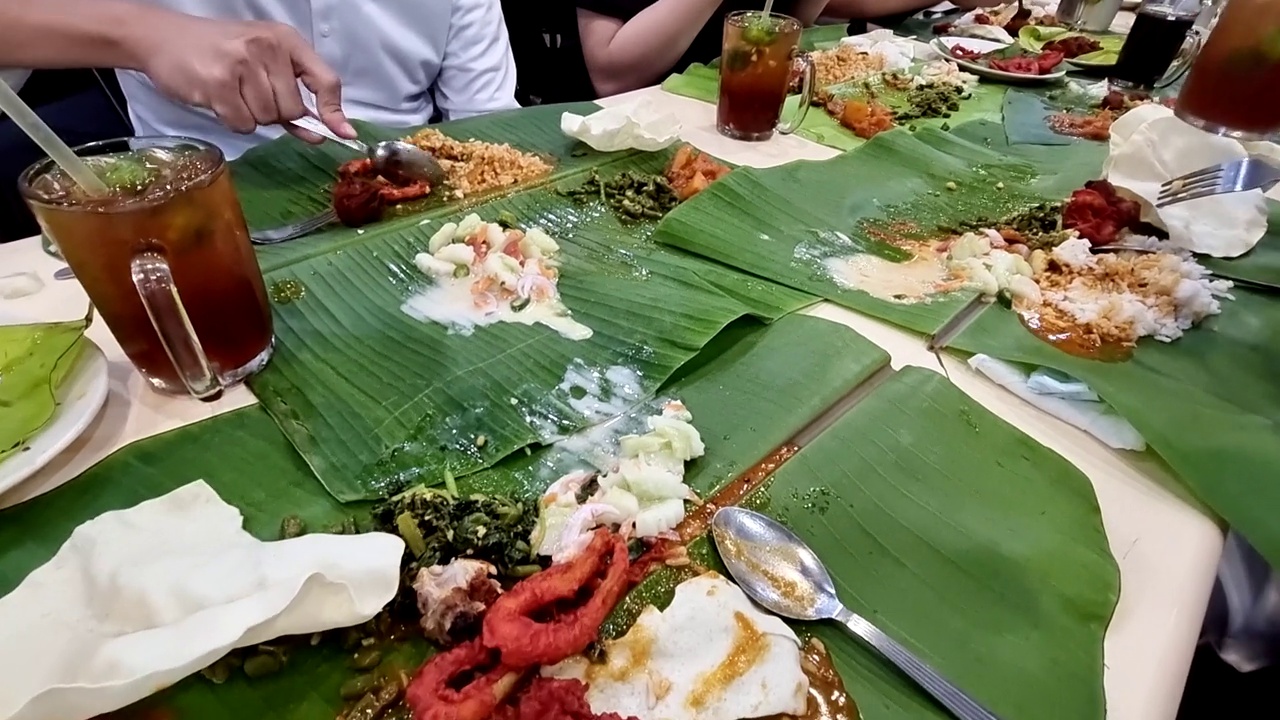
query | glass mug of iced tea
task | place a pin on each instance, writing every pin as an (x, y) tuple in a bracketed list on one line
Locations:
[(164, 257), (755, 74), (1160, 46), (1234, 85)]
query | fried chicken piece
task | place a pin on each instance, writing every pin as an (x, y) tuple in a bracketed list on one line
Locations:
[(465, 683), (558, 612)]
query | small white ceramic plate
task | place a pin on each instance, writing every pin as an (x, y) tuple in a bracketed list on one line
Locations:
[(943, 46), (79, 400)]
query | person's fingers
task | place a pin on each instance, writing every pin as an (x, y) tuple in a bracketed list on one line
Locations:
[(324, 82), (284, 86), (303, 134), (229, 105), (259, 96)]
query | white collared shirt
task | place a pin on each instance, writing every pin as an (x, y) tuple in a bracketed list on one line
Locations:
[(398, 59)]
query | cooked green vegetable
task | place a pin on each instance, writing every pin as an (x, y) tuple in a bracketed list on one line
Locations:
[(931, 100), (631, 195), (292, 526), (438, 526), (357, 687), (366, 658), (1040, 225), (263, 664)]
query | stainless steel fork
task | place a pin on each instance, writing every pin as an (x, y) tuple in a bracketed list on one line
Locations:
[(293, 230), (1251, 173)]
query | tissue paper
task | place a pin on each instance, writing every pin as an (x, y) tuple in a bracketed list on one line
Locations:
[(1095, 418), (137, 599), (635, 126)]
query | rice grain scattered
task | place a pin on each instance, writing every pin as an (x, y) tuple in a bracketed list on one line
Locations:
[(473, 166)]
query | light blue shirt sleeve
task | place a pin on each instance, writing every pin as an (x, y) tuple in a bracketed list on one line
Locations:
[(478, 73)]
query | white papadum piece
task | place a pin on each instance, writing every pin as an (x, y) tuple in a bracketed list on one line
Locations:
[(711, 655), (138, 599), (637, 125), (1150, 146)]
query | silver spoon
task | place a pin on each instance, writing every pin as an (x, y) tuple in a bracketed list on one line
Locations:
[(390, 157), (777, 570)]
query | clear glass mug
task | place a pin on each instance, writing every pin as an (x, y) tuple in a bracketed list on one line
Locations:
[(167, 262), (1234, 85), (755, 74), (1088, 15), (1161, 44)]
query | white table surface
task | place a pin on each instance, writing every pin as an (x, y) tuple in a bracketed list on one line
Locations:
[(1167, 551)]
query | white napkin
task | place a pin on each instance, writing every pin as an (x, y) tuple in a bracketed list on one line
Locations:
[(1094, 417), (1150, 146), (898, 52), (137, 599), (636, 126)]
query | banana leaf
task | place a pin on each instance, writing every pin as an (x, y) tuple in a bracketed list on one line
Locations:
[(1026, 120), (1208, 403), (702, 82), (998, 556), (34, 361), (772, 222), (743, 400), (902, 513), (375, 399)]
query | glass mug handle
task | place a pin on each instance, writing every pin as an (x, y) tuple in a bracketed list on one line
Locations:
[(806, 95), (154, 282), (1186, 55)]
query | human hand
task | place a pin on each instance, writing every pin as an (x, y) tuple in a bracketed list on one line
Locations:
[(245, 72)]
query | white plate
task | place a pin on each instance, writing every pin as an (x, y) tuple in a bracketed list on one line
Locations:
[(943, 46), (79, 400), (1086, 65)]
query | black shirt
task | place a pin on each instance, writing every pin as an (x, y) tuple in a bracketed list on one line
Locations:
[(706, 46)]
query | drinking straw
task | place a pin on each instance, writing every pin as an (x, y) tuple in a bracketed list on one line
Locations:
[(768, 6), (35, 128)]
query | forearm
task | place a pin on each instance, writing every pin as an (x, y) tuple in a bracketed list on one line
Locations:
[(642, 50), (808, 11), (860, 9), (41, 34)]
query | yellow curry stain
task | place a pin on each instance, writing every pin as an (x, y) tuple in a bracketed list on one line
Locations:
[(749, 647)]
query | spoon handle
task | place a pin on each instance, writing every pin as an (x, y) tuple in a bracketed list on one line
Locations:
[(950, 696), (306, 122)]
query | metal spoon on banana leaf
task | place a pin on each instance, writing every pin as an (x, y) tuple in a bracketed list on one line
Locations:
[(783, 575)]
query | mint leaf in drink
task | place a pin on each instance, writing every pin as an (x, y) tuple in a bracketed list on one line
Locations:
[(761, 30), (125, 171)]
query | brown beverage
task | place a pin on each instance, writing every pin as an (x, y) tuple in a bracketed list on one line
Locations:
[(1157, 36), (755, 73), (165, 258), (1234, 86)]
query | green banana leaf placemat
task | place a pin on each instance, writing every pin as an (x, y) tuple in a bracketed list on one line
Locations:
[(1208, 403), (991, 566), (778, 223), (375, 399), (286, 179)]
